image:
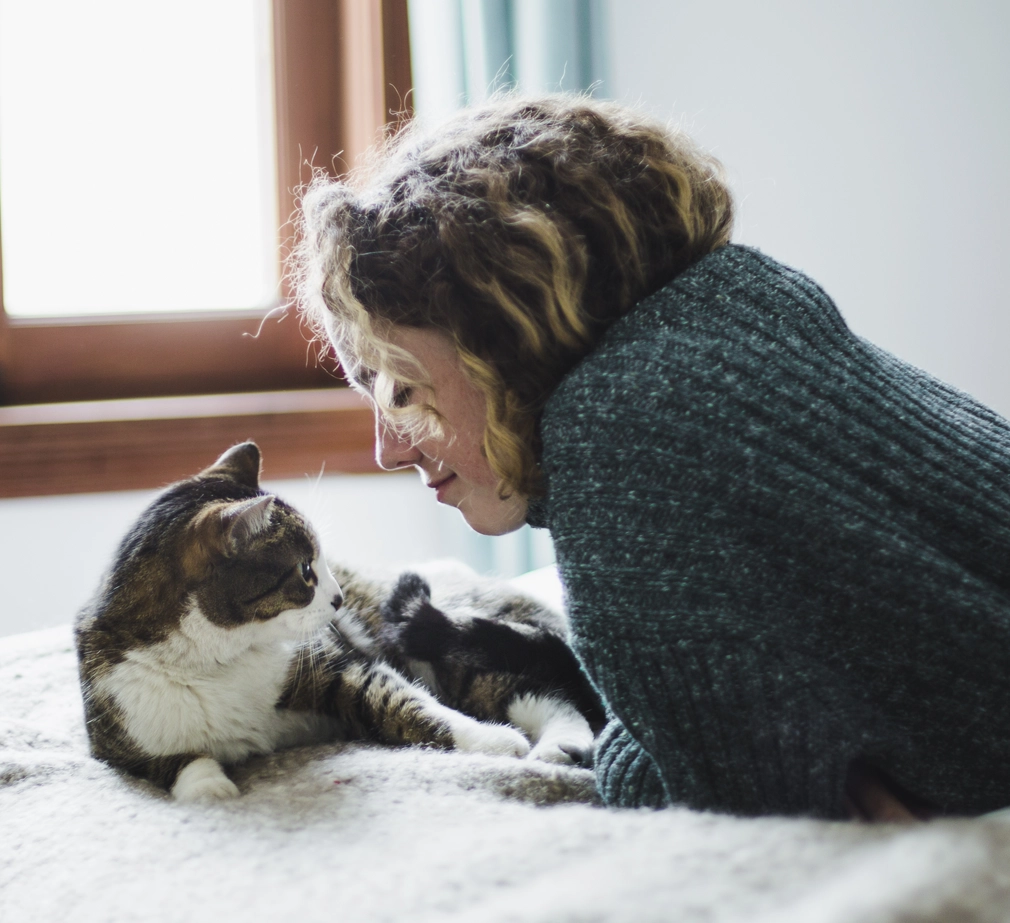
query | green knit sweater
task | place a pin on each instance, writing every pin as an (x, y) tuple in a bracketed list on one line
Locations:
[(782, 549)]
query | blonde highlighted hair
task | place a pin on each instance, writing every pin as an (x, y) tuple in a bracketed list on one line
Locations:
[(521, 230)]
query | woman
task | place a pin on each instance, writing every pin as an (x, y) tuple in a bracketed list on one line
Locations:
[(786, 554)]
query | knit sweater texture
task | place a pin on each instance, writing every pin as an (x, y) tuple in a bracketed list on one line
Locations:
[(782, 549)]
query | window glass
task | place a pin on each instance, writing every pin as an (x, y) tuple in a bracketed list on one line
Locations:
[(136, 156)]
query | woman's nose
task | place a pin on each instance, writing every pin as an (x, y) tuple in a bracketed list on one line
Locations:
[(392, 451)]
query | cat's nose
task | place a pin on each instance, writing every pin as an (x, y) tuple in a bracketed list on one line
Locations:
[(338, 600)]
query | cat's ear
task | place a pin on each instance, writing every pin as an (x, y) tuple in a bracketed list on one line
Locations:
[(221, 530), (243, 521), (241, 463)]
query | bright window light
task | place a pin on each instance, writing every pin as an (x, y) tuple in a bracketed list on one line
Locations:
[(136, 156)]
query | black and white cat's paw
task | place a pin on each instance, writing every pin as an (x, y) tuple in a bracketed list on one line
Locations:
[(569, 747), (203, 780), (409, 593), (561, 734), (472, 736), (412, 626)]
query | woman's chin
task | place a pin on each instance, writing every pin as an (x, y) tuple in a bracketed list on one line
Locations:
[(499, 518)]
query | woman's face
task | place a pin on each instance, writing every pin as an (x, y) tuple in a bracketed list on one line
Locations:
[(454, 464)]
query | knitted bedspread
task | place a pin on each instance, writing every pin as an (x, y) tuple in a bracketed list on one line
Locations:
[(354, 832)]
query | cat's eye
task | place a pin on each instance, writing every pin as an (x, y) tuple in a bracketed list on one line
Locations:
[(308, 574)]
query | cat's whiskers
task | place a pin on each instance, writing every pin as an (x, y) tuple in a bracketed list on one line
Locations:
[(302, 651)]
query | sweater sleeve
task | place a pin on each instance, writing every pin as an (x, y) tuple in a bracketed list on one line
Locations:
[(625, 774), (726, 727)]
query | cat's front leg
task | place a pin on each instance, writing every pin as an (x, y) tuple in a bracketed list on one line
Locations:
[(472, 736), (203, 780), (416, 716), (374, 700)]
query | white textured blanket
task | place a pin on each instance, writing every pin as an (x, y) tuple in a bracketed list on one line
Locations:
[(351, 832)]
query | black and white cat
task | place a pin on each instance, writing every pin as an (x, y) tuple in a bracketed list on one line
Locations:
[(482, 648), (220, 632)]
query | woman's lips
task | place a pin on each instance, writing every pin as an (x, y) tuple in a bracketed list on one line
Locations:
[(440, 487)]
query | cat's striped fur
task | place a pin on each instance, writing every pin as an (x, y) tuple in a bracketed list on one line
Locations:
[(219, 632)]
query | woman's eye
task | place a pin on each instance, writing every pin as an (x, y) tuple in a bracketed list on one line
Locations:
[(364, 381), (308, 574)]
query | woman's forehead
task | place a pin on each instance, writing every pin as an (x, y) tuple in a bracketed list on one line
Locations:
[(419, 355), (431, 349)]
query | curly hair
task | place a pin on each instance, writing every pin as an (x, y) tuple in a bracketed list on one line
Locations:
[(521, 230)]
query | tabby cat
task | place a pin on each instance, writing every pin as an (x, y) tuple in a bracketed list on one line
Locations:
[(220, 632)]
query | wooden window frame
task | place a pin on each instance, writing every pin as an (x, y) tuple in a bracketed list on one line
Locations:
[(107, 403)]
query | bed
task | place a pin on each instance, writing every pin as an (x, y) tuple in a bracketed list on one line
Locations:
[(359, 832)]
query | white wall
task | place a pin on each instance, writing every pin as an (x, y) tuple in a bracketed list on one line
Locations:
[(53, 550), (868, 142)]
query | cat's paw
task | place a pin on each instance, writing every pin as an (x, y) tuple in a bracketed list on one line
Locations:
[(203, 780), (493, 739), (409, 594), (560, 731), (411, 626), (573, 750)]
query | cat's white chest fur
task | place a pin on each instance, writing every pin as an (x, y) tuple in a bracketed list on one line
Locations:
[(210, 690)]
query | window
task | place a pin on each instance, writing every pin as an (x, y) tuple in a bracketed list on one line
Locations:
[(103, 174), (122, 401)]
